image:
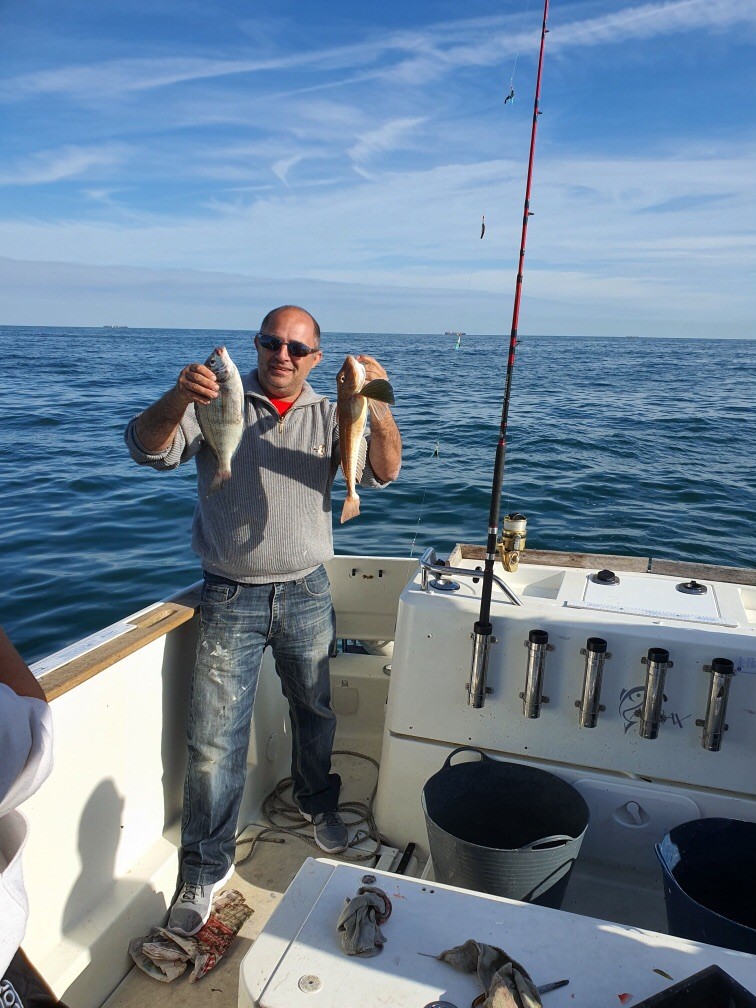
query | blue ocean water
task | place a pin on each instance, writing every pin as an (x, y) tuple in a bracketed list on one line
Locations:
[(634, 446)]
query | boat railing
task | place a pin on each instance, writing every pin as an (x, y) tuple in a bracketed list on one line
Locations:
[(430, 564)]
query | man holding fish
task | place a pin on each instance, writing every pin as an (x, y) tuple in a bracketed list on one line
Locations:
[(267, 448)]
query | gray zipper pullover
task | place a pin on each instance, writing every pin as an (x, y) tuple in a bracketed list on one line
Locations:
[(272, 520)]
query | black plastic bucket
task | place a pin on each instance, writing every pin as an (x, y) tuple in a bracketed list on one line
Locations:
[(707, 989), (503, 828), (709, 868)]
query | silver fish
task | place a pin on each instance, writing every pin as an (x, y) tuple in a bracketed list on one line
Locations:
[(222, 420)]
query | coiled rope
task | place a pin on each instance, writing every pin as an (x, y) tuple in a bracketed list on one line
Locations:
[(283, 817)]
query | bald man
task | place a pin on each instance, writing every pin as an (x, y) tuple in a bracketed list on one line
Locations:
[(263, 540)]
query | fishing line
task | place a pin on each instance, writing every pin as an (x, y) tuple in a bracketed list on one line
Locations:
[(422, 503), (517, 53), (435, 454), (509, 97), (417, 526), (513, 341)]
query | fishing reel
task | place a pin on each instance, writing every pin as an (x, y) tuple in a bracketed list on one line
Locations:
[(512, 541)]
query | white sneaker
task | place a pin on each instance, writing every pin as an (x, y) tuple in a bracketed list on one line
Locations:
[(193, 904)]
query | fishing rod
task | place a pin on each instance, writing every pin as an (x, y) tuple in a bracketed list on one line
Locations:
[(482, 629)]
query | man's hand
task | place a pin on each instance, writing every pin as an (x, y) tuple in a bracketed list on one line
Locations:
[(197, 384), (373, 369), (157, 426), (385, 451)]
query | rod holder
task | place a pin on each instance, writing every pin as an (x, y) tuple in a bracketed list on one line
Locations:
[(657, 662), (532, 697), (714, 727), (595, 655), (429, 564), (476, 687)]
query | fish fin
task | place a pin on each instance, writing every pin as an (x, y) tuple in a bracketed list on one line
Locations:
[(221, 477), (377, 409), (351, 507), (379, 389)]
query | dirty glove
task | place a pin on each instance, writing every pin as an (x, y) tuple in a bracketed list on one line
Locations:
[(360, 919), (505, 982)]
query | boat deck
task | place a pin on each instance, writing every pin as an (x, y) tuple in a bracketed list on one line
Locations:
[(596, 890), (262, 881)]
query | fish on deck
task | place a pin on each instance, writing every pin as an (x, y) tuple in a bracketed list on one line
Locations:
[(354, 396), (222, 420)]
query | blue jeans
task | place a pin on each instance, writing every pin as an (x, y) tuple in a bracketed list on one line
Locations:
[(237, 622)]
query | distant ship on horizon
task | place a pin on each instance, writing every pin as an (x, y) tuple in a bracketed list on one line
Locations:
[(115, 327), (450, 333)]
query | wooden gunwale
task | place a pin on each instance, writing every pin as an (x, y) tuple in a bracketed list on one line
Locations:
[(643, 565), (150, 626)]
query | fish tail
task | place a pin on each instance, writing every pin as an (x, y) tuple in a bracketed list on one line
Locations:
[(351, 507), (377, 409), (221, 477)]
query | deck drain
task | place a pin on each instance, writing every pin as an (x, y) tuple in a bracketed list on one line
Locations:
[(310, 983)]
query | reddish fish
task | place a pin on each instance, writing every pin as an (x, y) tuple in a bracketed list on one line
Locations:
[(352, 409)]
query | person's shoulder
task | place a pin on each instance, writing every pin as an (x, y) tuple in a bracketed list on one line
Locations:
[(309, 397)]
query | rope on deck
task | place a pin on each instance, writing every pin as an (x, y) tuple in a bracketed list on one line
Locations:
[(283, 817)]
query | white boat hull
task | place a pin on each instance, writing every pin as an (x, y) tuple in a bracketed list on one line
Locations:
[(101, 864)]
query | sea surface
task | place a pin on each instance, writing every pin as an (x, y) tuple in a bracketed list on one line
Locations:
[(633, 446)]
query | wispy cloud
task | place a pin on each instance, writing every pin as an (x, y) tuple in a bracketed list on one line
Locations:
[(109, 77), (54, 166), (282, 168), (431, 220), (417, 56), (342, 150), (388, 137), (655, 20)]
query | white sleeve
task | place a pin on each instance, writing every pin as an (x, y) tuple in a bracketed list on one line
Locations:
[(26, 747)]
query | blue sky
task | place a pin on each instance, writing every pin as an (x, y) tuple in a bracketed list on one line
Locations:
[(190, 164)]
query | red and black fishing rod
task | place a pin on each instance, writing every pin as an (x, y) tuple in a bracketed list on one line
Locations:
[(482, 629)]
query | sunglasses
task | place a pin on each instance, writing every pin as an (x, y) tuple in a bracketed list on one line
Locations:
[(296, 349)]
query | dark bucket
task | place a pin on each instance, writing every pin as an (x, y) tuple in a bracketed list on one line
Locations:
[(503, 828), (707, 989), (709, 868)]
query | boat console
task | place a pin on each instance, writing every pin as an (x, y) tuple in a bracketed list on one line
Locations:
[(637, 687), (298, 959)]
